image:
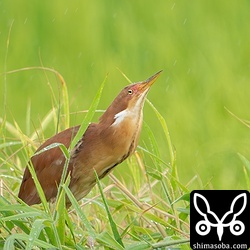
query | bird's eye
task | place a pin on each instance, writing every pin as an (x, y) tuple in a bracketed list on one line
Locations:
[(130, 91)]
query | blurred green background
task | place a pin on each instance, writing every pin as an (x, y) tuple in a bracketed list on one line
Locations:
[(202, 46)]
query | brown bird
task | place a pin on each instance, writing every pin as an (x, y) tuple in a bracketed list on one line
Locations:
[(103, 146)]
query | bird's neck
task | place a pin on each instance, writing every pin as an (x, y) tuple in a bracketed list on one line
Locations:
[(108, 118)]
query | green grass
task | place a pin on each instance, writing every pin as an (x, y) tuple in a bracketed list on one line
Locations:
[(55, 55)]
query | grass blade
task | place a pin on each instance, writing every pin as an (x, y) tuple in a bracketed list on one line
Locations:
[(111, 221), (168, 243), (108, 241), (246, 169), (64, 88), (36, 229), (10, 242), (165, 130), (89, 116), (79, 211)]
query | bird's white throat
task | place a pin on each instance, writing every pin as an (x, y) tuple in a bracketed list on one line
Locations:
[(119, 117), (122, 115)]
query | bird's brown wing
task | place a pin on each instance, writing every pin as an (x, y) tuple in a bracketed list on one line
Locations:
[(48, 166)]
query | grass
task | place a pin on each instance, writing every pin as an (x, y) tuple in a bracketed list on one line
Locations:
[(151, 213)]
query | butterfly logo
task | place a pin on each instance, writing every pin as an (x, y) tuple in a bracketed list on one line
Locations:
[(210, 219)]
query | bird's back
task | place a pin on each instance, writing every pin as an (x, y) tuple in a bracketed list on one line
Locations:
[(48, 166)]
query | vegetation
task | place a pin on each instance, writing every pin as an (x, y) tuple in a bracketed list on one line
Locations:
[(54, 58)]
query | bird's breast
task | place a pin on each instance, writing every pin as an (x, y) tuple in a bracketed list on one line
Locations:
[(103, 148)]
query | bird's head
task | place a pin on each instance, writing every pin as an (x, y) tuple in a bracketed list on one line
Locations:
[(130, 99)]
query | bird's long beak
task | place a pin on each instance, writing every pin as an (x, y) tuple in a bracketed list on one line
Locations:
[(149, 82)]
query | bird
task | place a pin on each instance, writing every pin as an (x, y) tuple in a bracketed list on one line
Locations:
[(103, 146)]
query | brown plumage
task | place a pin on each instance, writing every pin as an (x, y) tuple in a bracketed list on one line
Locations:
[(103, 145)]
